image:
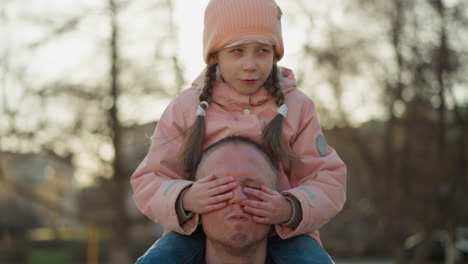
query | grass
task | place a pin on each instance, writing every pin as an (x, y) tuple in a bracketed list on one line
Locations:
[(50, 256)]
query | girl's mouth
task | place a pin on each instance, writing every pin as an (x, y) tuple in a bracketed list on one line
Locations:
[(249, 81)]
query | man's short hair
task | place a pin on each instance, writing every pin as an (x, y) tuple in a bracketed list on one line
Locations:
[(238, 140)]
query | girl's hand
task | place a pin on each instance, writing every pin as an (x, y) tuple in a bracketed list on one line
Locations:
[(208, 194), (271, 207)]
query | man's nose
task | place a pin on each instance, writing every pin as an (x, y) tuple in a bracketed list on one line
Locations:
[(239, 195)]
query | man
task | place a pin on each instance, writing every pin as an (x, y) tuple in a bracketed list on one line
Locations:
[(231, 235)]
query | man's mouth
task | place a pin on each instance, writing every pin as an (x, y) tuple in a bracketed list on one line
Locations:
[(238, 218)]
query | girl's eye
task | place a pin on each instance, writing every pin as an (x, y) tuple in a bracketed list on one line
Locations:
[(236, 50)]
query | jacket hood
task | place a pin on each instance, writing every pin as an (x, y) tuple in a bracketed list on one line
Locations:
[(288, 80)]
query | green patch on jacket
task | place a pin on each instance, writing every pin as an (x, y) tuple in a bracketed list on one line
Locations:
[(170, 186), (310, 193)]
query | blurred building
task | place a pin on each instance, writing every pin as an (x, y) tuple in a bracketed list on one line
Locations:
[(40, 186), (96, 203)]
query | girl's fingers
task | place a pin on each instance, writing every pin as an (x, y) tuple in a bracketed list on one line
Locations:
[(268, 190), (257, 193), (220, 198), (256, 212), (213, 207), (256, 204), (206, 179), (262, 220), (218, 182), (222, 189)]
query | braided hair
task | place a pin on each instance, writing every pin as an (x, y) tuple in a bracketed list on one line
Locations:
[(192, 148), (273, 138)]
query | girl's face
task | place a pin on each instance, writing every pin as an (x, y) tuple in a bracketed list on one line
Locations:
[(246, 67)]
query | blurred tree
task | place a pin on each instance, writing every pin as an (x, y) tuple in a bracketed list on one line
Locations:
[(412, 54), (82, 113)]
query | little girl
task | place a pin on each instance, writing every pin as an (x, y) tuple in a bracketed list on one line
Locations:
[(242, 92)]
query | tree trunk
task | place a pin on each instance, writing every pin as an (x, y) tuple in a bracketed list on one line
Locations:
[(119, 250)]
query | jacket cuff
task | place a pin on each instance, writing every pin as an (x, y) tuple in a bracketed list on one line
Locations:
[(182, 215), (296, 213)]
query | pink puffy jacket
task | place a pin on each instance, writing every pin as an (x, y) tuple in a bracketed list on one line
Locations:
[(317, 179)]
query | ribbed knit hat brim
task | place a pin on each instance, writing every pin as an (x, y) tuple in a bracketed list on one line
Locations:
[(227, 21)]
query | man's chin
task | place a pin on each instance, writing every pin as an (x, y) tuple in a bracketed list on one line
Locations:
[(245, 237), (238, 238), (240, 242)]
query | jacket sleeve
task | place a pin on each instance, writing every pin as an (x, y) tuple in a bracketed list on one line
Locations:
[(156, 182), (317, 177)]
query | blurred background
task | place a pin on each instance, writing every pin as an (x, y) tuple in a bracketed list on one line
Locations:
[(83, 83)]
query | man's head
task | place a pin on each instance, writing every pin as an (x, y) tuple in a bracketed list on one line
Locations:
[(246, 161)]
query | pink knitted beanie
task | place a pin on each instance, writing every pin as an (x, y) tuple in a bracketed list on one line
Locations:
[(227, 21)]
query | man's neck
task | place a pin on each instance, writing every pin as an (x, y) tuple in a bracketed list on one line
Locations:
[(216, 253)]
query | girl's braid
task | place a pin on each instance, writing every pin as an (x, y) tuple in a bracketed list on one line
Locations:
[(275, 87), (210, 79), (272, 134), (192, 147)]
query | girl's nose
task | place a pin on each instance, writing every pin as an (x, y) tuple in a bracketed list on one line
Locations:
[(250, 64), (239, 195)]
